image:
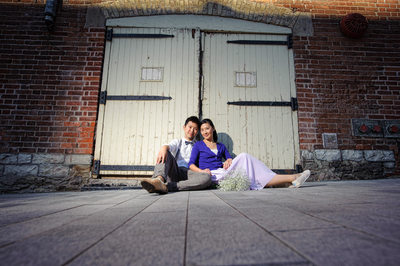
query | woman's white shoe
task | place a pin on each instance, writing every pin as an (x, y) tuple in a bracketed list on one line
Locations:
[(301, 179)]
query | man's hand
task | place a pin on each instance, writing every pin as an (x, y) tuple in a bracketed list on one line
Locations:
[(162, 154), (227, 163)]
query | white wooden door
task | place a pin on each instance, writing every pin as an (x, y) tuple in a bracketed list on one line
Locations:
[(252, 72), (151, 85)]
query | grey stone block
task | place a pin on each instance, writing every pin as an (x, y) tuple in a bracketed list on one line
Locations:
[(78, 159), (53, 170), (1, 170), (24, 158), (328, 155), (352, 155), (6, 158), (303, 26), (21, 170), (94, 17), (307, 155), (379, 156), (389, 164), (45, 158)]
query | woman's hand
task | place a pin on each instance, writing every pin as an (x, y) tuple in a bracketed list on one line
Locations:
[(194, 168), (227, 163), (208, 171)]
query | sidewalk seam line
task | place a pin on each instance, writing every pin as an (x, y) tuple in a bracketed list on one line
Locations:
[(186, 230)]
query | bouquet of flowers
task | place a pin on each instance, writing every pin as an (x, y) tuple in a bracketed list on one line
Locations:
[(235, 180)]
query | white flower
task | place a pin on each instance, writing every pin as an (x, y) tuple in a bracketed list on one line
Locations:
[(235, 180)]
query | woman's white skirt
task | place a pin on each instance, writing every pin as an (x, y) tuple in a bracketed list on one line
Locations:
[(258, 173)]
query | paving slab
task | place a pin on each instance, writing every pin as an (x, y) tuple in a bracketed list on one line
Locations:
[(322, 223), (341, 246)]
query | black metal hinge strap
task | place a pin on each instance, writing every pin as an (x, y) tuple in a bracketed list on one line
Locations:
[(256, 42), (104, 98), (288, 42), (127, 167), (138, 98), (260, 103), (293, 103), (110, 35)]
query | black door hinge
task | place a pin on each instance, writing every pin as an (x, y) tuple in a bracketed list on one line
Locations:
[(294, 104), (103, 97), (109, 35), (96, 167)]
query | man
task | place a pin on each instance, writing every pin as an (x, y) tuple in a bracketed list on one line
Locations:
[(171, 172)]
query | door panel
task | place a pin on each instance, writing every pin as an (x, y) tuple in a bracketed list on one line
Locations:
[(133, 130), (251, 72)]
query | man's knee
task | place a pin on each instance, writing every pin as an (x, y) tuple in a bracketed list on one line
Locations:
[(204, 180)]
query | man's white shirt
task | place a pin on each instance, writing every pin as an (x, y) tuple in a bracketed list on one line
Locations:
[(185, 151)]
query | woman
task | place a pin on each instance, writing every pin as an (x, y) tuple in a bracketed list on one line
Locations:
[(207, 157)]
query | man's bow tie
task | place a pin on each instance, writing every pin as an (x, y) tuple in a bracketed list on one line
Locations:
[(189, 142)]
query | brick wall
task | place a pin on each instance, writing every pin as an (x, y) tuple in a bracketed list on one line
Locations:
[(339, 78), (49, 83)]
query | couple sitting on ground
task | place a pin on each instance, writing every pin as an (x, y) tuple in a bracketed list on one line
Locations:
[(185, 164)]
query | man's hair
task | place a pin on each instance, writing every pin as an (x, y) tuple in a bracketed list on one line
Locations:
[(193, 119)]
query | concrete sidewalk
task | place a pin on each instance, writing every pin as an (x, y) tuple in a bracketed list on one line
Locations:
[(326, 223)]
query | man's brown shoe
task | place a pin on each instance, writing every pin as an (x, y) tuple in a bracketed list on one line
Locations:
[(154, 185)]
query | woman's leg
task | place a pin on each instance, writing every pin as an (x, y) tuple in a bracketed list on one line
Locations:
[(297, 180), (282, 179)]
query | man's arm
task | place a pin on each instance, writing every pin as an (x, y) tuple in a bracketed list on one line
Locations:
[(173, 147), (162, 154)]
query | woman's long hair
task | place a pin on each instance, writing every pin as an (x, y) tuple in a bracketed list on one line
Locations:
[(208, 121)]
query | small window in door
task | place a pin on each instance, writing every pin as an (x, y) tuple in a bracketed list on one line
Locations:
[(246, 79), (152, 74)]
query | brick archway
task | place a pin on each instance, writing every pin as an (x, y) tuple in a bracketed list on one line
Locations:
[(299, 22)]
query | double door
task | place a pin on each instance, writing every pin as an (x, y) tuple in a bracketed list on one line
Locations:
[(154, 78)]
